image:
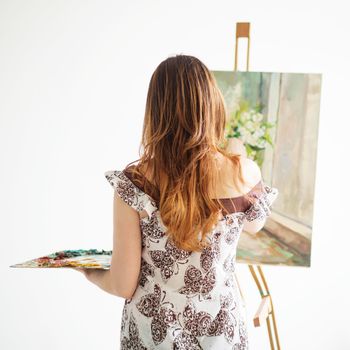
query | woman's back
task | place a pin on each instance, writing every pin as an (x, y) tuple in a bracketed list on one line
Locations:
[(190, 300)]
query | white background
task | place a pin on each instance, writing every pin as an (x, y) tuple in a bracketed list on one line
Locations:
[(73, 82)]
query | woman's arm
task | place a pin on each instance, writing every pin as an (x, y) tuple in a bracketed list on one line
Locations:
[(122, 277), (258, 212)]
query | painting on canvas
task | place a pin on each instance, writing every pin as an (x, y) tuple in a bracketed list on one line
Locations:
[(276, 116)]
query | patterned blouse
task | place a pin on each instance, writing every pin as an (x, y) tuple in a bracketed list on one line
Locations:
[(187, 300)]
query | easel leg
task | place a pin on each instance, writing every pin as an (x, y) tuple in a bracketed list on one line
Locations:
[(265, 310)]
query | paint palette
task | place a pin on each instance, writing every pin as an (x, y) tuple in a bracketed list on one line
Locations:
[(86, 258)]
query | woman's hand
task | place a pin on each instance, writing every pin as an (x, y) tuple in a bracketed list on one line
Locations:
[(85, 272)]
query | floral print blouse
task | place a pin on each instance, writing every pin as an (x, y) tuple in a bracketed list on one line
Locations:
[(187, 300)]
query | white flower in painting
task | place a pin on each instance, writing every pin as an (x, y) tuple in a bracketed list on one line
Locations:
[(251, 140), (260, 117), (250, 125), (258, 133), (257, 126), (243, 131), (257, 117), (245, 116), (244, 135), (252, 113)]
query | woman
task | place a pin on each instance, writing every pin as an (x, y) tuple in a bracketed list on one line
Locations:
[(178, 215)]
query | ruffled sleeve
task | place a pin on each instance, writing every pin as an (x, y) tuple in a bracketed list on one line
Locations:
[(261, 207), (129, 192)]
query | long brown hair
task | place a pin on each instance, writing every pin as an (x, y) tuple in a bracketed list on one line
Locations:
[(183, 130)]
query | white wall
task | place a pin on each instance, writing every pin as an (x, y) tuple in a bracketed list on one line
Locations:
[(73, 82)]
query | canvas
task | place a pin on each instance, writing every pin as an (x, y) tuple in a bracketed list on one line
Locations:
[(276, 116)]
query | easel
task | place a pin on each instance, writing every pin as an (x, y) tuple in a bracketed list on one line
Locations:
[(265, 310)]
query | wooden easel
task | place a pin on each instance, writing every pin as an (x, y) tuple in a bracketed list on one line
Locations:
[(265, 310)]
